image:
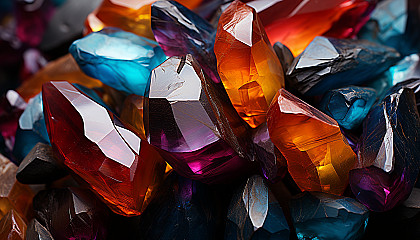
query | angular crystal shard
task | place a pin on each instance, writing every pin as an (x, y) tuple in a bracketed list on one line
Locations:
[(36, 231), (12, 226)]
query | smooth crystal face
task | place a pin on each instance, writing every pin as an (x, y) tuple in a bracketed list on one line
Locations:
[(348, 106), (12, 226), (32, 118), (389, 152), (247, 64), (318, 156), (119, 59), (187, 120), (324, 216), (120, 167), (297, 23), (132, 113), (413, 84), (254, 213), (36, 231), (180, 31), (329, 63)]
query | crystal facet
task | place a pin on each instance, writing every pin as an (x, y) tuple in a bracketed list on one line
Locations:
[(121, 168), (329, 63), (12, 226), (247, 64), (36, 231), (284, 54), (318, 156)]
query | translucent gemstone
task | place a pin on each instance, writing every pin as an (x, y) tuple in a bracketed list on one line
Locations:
[(130, 16), (119, 59), (13, 195), (297, 23), (12, 226), (179, 31), (284, 54), (36, 231), (32, 118), (123, 169), (324, 216), (198, 132), (349, 105), (132, 113), (247, 64), (255, 214), (318, 156), (62, 69), (71, 213), (329, 63), (389, 152), (413, 84)]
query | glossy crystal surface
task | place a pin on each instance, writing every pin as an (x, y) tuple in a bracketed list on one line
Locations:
[(121, 168), (318, 156), (247, 64), (12, 226), (35, 231)]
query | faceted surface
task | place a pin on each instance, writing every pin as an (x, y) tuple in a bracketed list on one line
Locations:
[(132, 113), (389, 152), (349, 105), (71, 213), (284, 54), (40, 166), (12, 226), (33, 118), (130, 16), (329, 63), (179, 31), (395, 23), (196, 130), (62, 69), (121, 168), (247, 64), (324, 216), (413, 84), (318, 156), (119, 59), (297, 23), (13, 195), (36, 231), (254, 213)]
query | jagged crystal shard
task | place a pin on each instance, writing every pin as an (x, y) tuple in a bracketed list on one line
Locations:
[(180, 31), (324, 216), (119, 59), (123, 169), (12, 226), (329, 63), (284, 54), (349, 105), (35, 231), (254, 213), (389, 152)]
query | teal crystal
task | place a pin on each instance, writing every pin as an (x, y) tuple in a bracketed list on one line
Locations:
[(349, 105), (119, 59)]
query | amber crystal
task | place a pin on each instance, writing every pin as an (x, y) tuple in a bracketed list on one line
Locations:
[(13, 195), (247, 64), (12, 226), (132, 112), (318, 156), (109, 155)]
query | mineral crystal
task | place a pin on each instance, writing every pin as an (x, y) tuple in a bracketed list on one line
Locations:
[(389, 152), (179, 31), (318, 156), (254, 213), (329, 63), (13, 195), (132, 113), (413, 84), (32, 118), (40, 166), (196, 130), (349, 105), (297, 23), (247, 64), (71, 213), (12, 226), (36, 231), (284, 54), (324, 216), (121, 168), (119, 59)]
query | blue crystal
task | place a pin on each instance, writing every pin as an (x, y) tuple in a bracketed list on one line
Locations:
[(328, 217), (348, 106), (119, 59), (329, 63)]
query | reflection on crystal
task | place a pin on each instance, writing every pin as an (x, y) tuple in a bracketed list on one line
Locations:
[(329, 63), (36, 231), (33, 118), (284, 54), (132, 113), (119, 59), (12, 226), (324, 216), (413, 84), (348, 106), (389, 152)]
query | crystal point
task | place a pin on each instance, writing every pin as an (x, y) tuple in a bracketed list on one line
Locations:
[(12, 226)]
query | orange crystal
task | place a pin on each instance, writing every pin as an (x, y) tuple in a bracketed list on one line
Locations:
[(13, 195), (318, 156), (12, 226), (132, 113), (247, 64), (64, 68), (129, 15)]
